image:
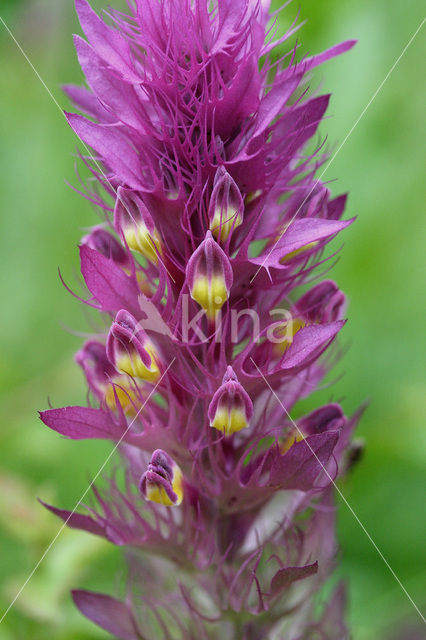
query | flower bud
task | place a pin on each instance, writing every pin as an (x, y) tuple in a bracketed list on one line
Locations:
[(323, 303), (130, 350), (104, 242), (226, 205), (209, 275), (162, 482), (134, 222), (231, 408), (103, 379)]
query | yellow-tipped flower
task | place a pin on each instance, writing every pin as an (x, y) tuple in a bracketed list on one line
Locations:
[(163, 481), (134, 223), (209, 276), (130, 350), (104, 381), (231, 408), (226, 206), (140, 239), (121, 390)]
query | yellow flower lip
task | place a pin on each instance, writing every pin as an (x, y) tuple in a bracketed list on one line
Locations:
[(285, 332), (133, 365), (231, 408), (210, 295), (120, 391), (223, 222), (229, 421), (140, 239), (130, 349), (162, 482)]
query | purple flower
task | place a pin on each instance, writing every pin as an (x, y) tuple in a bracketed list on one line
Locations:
[(199, 136), (129, 349), (231, 408), (209, 276), (162, 482)]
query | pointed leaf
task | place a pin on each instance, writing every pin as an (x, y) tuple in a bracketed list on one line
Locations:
[(285, 577), (76, 520), (109, 88), (301, 465), (80, 423), (113, 148), (108, 613), (107, 41), (309, 342), (299, 235), (113, 289)]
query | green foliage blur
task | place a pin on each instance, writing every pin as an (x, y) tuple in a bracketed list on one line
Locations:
[(381, 268)]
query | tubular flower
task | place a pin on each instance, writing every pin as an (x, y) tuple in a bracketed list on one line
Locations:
[(130, 350), (104, 381), (231, 408), (135, 225), (211, 215), (226, 205), (163, 481), (209, 274)]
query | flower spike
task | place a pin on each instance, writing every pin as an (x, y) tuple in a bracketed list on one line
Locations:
[(204, 141), (162, 482)]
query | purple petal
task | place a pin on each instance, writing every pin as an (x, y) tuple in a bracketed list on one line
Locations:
[(79, 423), (110, 614), (274, 101), (298, 235), (303, 462), (285, 577), (84, 100), (337, 50), (308, 342), (115, 152), (76, 520), (112, 91), (108, 42), (113, 289)]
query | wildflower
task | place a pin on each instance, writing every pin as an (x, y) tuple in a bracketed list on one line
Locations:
[(226, 205), (231, 408), (200, 134), (130, 350), (162, 482), (209, 275), (134, 223), (104, 381)]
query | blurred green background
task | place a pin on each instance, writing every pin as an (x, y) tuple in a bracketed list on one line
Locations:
[(381, 268)]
